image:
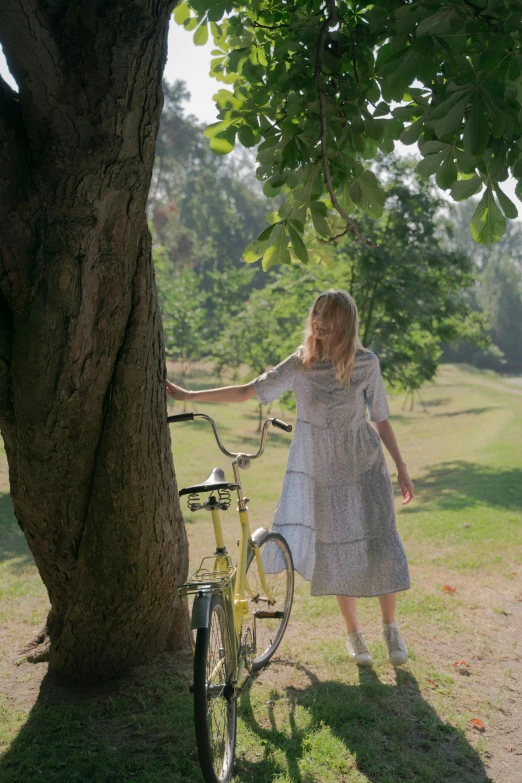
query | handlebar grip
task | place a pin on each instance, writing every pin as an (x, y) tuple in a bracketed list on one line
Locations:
[(180, 417), (282, 425)]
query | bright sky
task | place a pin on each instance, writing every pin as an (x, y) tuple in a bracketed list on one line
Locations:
[(192, 64)]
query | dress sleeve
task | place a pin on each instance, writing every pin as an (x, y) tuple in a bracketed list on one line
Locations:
[(375, 394), (274, 382)]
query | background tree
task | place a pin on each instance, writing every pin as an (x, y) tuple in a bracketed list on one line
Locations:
[(408, 288), (203, 207), (497, 293)]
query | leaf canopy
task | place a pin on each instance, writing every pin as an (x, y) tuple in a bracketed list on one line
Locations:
[(324, 88)]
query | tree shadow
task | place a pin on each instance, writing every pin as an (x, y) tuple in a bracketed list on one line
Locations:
[(13, 545), (394, 735), (437, 402), (468, 411), (139, 728), (459, 484)]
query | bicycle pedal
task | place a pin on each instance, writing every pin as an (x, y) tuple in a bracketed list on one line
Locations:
[(265, 615)]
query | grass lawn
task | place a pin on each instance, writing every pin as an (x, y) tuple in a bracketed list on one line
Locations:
[(311, 715)]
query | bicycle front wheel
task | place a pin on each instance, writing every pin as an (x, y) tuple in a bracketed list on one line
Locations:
[(272, 611), (215, 704)]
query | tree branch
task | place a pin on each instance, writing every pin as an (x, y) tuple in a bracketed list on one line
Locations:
[(351, 225)]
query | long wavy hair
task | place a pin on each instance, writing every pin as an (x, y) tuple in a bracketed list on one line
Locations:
[(340, 343)]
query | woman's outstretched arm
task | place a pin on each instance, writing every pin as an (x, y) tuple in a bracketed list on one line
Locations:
[(225, 394), (387, 435)]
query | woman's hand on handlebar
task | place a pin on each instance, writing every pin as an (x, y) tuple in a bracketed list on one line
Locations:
[(176, 392)]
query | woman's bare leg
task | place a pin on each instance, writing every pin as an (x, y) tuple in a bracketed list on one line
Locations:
[(387, 603), (348, 611)]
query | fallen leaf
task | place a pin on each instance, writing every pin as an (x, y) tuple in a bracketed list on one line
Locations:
[(510, 750), (462, 663), (433, 682), (449, 589), (513, 573), (477, 724)]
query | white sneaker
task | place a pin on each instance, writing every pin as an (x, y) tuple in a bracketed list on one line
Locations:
[(397, 650), (357, 649)]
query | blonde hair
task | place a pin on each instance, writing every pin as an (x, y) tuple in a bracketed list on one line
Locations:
[(342, 342)]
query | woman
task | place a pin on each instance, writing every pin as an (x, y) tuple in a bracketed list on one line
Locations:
[(336, 508)]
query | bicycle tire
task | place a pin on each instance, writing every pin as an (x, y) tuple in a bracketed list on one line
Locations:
[(215, 704), (275, 553)]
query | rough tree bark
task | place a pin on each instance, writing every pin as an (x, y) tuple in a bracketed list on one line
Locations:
[(82, 399)]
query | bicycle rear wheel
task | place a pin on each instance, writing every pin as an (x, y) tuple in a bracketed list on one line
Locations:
[(271, 617), (215, 706)]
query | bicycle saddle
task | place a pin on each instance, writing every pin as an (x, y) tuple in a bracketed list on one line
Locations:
[(216, 480)]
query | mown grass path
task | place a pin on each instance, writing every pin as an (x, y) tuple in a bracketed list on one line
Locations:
[(312, 716)]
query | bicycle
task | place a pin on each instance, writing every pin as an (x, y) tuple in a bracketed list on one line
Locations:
[(239, 613)]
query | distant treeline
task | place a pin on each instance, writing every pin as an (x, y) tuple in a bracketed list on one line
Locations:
[(426, 293)]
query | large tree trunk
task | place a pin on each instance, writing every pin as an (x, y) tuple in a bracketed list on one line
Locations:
[(82, 367)]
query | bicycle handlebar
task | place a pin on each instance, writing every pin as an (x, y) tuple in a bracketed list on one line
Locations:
[(282, 425), (180, 417), (275, 422)]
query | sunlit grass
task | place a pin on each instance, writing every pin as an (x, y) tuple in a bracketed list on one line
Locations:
[(311, 716)]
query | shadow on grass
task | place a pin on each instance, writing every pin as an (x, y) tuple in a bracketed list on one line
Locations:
[(468, 411), (140, 729), (12, 541), (394, 735), (457, 485), (437, 402)]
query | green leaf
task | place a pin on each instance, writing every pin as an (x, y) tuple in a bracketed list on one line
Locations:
[(488, 223), (318, 211), (298, 245), (344, 198), (246, 136), (476, 129), (217, 128), (181, 12), (224, 142), (430, 147), (466, 188), (516, 169), (450, 124), (367, 194), (201, 34), (277, 251), (430, 164), (441, 23), (441, 109), (190, 23), (447, 173), (507, 205), (267, 232), (298, 224), (412, 132), (254, 250), (465, 163)]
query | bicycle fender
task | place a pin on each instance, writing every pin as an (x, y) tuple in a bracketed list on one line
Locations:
[(201, 610), (258, 535)]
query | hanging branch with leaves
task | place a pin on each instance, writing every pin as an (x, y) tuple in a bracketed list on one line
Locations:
[(323, 87)]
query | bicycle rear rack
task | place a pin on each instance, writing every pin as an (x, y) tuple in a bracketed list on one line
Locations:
[(204, 577), (208, 577)]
